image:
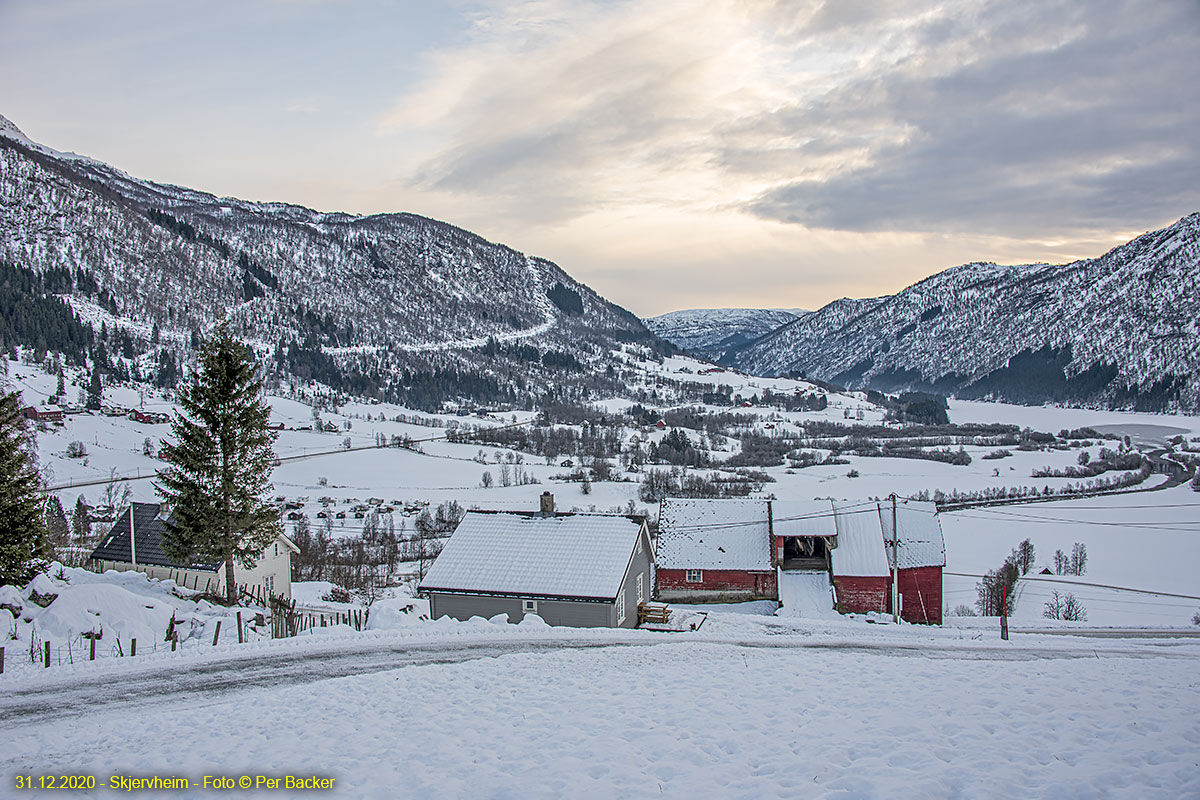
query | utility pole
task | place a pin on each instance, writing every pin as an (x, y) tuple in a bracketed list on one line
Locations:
[(895, 565)]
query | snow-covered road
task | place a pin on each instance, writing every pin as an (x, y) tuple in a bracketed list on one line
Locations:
[(191, 682)]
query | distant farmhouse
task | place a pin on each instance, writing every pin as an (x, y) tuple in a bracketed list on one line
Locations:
[(135, 543), (48, 413), (735, 550), (583, 570)]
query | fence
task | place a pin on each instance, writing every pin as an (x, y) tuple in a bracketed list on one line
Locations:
[(283, 619)]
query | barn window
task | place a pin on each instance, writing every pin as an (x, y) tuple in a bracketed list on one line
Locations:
[(695, 575), (621, 607), (529, 606)]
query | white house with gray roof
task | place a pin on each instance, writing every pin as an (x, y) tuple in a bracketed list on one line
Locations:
[(582, 570), (135, 543)]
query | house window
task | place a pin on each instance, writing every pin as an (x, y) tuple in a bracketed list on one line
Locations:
[(639, 545), (621, 607), (269, 584), (277, 548), (529, 606), (641, 589), (695, 575)]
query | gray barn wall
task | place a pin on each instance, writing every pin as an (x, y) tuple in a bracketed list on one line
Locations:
[(576, 614)]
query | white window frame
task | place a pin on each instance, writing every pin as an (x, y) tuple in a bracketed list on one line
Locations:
[(529, 606), (694, 576), (641, 588), (621, 607)]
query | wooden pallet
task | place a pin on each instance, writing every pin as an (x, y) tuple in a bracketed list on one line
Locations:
[(657, 613)]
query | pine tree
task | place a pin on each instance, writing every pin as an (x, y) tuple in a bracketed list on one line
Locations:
[(95, 391), (81, 523), (58, 532), (22, 530), (219, 466)]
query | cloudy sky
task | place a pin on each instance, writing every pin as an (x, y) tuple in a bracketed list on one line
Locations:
[(706, 153)]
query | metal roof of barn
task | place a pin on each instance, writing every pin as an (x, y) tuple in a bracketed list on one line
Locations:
[(581, 556), (714, 534), (920, 534)]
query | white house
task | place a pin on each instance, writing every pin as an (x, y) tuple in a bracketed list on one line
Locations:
[(143, 552)]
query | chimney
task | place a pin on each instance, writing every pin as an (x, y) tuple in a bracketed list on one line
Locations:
[(547, 504)]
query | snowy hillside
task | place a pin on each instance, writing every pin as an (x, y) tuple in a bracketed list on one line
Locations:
[(353, 301), (1119, 330), (710, 332)]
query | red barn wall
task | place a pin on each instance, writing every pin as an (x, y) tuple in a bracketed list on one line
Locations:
[(921, 590), (717, 584), (861, 594), (917, 586)]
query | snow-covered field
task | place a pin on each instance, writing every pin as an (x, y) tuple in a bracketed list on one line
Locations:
[(750, 706)]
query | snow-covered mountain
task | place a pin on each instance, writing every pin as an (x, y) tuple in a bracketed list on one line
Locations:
[(391, 304), (711, 332), (1119, 330)]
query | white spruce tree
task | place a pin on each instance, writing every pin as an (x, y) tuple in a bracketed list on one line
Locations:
[(23, 548), (219, 466)]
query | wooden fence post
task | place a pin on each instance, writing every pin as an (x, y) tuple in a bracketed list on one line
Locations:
[(92, 648), (1, 660), (170, 627), (217, 633), (47, 654), (239, 624), (132, 648), (174, 642)]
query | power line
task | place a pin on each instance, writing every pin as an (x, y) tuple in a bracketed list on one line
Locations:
[(1044, 520), (1041, 579)]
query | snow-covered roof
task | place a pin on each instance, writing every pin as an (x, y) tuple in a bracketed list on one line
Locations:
[(920, 539), (802, 518), (859, 550), (570, 555), (714, 534)]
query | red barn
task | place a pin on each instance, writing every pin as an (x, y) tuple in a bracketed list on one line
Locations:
[(860, 563), (922, 555), (862, 569), (715, 550), (732, 550)]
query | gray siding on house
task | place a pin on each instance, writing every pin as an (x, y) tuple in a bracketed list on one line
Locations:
[(639, 564), (574, 613)]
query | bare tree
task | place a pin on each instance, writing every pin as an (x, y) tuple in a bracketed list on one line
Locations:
[(1078, 558), (116, 492), (1064, 607)]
